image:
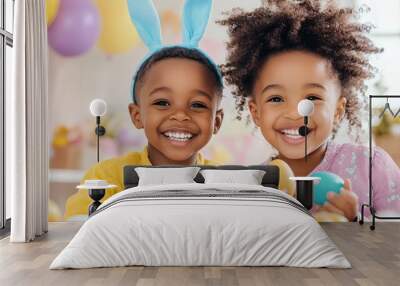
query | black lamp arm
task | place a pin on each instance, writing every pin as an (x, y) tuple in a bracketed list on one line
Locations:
[(100, 131)]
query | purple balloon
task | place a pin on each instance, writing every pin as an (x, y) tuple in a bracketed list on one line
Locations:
[(76, 27)]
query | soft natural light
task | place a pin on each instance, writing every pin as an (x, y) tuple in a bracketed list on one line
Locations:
[(384, 15)]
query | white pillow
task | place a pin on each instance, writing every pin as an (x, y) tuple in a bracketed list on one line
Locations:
[(248, 177), (162, 176)]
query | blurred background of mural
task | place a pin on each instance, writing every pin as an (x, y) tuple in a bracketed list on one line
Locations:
[(94, 50)]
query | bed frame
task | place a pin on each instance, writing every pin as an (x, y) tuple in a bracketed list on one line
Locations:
[(131, 178), (270, 179)]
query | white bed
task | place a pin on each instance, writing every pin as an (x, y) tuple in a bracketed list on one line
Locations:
[(222, 224)]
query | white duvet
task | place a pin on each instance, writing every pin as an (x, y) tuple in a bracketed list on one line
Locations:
[(207, 230)]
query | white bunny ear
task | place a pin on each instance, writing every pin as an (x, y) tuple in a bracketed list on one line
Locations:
[(145, 18), (195, 19)]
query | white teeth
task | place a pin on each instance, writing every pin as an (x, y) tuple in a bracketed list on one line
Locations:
[(179, 136), (292, 132), (293, 136)]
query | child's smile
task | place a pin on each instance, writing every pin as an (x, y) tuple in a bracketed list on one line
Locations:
[(288, 136), (179, 136), (291, 135), (178, 139), (179, 113), (283, 81)]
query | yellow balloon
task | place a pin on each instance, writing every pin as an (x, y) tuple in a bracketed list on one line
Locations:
[(118, 34), (285, 172), (51, 10)]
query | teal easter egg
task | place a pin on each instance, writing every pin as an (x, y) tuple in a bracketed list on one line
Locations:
[(329, 182)]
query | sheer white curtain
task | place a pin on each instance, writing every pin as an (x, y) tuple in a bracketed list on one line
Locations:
[(26, 117)]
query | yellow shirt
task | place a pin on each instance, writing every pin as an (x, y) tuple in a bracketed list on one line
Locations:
[(112, 171)]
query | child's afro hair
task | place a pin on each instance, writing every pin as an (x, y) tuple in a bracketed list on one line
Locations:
[(307, 25)]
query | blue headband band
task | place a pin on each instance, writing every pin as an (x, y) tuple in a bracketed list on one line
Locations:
[(211, 64)]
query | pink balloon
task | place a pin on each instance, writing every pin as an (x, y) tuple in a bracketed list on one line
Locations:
[(76, 27)]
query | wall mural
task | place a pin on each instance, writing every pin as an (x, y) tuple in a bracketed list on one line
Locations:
[(94, 51)]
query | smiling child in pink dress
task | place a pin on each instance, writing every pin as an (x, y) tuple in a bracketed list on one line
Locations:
[(287, 51)]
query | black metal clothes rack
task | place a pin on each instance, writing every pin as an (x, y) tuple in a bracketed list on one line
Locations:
[(370, 205)]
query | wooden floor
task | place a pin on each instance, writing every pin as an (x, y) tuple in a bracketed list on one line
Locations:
[(374, 255)]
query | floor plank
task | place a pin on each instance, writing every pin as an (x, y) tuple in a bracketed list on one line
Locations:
[(374, 255)]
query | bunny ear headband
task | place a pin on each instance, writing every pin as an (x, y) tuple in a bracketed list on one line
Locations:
[(145, 18)]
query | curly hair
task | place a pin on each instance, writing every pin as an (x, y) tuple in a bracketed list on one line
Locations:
[(306, 25)]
